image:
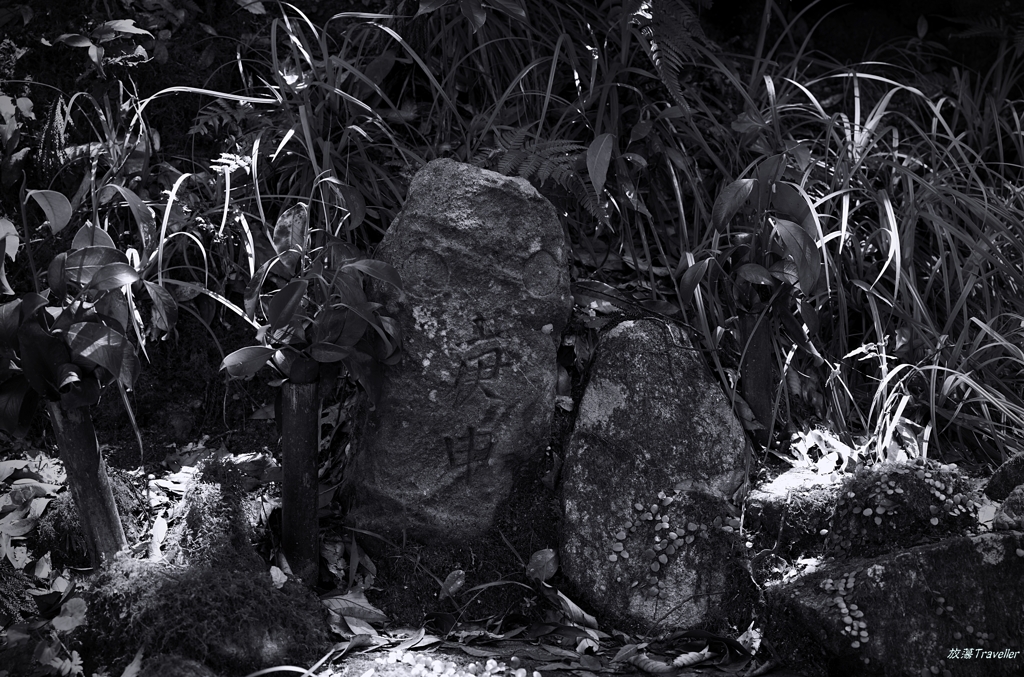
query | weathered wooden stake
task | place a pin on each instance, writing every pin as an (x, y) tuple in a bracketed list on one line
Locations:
[(757, 375), (300, 426), (90, 486)]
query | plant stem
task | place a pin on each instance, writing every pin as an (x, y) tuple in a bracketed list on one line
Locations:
[(28, 238)]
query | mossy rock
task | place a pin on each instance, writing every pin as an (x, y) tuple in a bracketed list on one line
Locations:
[(1006, 478), (15, 604), (891, 506), (1010, 514), (788, 514), (233, 621), (215, 529), (169, 665), (211, 599)]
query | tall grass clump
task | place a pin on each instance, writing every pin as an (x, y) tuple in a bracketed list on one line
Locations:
[(902, 323)]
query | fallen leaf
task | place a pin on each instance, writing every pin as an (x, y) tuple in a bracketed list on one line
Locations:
[(625, 653), (354, 604), (452, 583), (543, 564), (156, 538), (278, 577), (479, 653), (135, 667), (359, 626), (72, 614)]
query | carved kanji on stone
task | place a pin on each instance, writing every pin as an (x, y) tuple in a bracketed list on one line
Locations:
[(483, 260), (469, 450)]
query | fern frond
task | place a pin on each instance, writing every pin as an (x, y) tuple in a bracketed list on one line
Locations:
[(982, 27), (673, 33), (540, 161)]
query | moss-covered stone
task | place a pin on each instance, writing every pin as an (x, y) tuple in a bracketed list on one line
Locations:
[(905, 612), (15, 604), (215, 529), (233, 621), (1006, 478), (890, 506), (788, 514), (653, 462), (1010, 514)]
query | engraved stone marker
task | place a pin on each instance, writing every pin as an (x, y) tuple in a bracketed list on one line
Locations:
[(483, 260)]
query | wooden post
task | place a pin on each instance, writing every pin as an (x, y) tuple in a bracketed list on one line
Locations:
[(300, 428), (90, 486), (757, 377)]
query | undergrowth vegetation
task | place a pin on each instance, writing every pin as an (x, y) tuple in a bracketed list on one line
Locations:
[(841, 239)]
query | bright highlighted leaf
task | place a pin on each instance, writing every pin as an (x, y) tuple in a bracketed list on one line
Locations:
[(74, 40), (82, 265), (113, 276), (730, 200), (55, 206), (135, 667), (543, 564), (126, 26), (9, 234), (245, 362), (291, 230), (92, 236), (804, 252), (278, 577), (599, 155)]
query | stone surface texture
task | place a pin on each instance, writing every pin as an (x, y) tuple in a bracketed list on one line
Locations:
[(1010, 514), (791, 511), (655, 457), (483, 259), (1006, 477), (911, 612), (889, 506)]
